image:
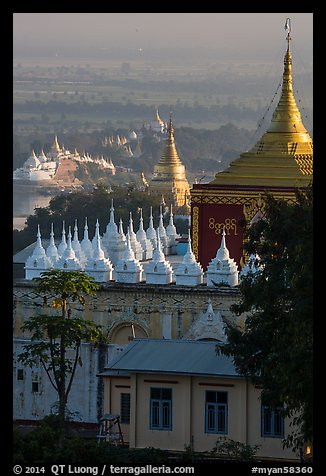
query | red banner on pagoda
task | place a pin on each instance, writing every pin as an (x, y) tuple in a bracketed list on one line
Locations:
[(208, 221)]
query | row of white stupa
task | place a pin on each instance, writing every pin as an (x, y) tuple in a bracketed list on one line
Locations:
[(130, 258)]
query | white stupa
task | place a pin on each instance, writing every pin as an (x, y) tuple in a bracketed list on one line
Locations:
[(118, 246), (98, 266), (128, 269), (111, 232), (32, 162), (143, 240), (222, 268), (150, 232), (42, 157), (158, 270), (157, 125), (52, 250), (80, 255), (189, 272), (68, 260), (172, 234), (96, 234), (86, 244), (121, 232), (38, 262), (134, 243), (165, 240), (63, 243)]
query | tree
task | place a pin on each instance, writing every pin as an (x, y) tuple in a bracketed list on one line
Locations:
[(275, 348), (234, 450), (94, 205), (53, 335)]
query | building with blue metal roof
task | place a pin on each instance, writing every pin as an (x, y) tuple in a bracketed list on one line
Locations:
[(174, 394)]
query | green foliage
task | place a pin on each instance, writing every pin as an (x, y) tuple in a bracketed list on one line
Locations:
[(221, 284), (276, 348), (94, 204), (66, 285), (234, 450), (68, 332), (49, 443), (38, 445)]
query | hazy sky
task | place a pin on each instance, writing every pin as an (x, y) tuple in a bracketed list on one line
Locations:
[(141, 31)]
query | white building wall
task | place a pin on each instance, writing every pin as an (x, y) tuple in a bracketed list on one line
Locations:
[(166, 325), (117, 308), (83, 397)]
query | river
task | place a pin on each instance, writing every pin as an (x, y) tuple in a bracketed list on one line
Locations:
[(25, 200)]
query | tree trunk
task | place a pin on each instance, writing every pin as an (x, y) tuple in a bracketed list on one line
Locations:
[(62, 389)]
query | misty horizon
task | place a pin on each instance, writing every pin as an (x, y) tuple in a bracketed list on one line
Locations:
[(161, 36)]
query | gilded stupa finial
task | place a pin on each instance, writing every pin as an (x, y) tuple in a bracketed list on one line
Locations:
[(171, 154), (157, 116), (169, 177), (284, 153), (288, 28), (170, 129), (56, 146), (286, 118)]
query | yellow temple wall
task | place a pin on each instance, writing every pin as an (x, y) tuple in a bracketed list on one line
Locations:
[(155, 311)]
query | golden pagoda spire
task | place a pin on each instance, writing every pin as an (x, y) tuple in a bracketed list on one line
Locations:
[(157, 116), (56, 146), (56, 143), (284, 153), (169, 177), (286, 133), (170, 155), (287, 117), (143, 179)]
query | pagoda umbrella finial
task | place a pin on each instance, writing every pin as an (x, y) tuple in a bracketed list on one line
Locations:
[(287, 27)]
